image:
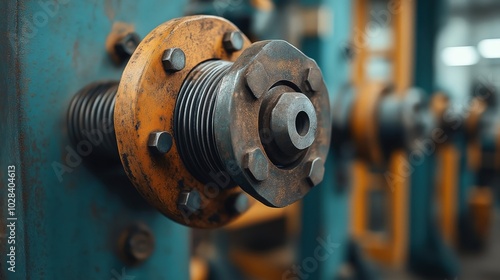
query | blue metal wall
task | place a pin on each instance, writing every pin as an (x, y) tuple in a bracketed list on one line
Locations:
[(325, 208), (69, 229)]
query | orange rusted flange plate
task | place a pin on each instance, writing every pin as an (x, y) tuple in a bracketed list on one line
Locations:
[(145, 103), (364, 121)]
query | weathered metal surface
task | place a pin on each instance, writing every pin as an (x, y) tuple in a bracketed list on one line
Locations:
[(284, 69), (146, 102), (381, 120), (272, 87), (194, 121), (68, 225), (403, 119), (90, 119), (365, 122)]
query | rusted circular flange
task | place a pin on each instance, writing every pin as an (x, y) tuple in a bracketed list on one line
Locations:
[(364, 120), (265, 72), (145, 103)]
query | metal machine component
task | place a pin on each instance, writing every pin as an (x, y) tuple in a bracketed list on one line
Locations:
[(136, 244), (199, 110), (403, 119), (233, 41), (90, 118), (160, 142), (379, 120), (173, 60), (482, 135), (126, 46), (380, 125)]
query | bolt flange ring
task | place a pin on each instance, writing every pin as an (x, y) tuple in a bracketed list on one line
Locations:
[(265, 73), (145, 103)]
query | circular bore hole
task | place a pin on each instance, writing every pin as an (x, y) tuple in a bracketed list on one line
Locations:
[(302, 123)]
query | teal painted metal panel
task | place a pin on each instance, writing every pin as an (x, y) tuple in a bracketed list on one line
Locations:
[(69, 229), (325, 208), (428, 254)]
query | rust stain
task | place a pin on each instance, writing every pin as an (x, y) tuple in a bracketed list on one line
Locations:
[(110, 7)]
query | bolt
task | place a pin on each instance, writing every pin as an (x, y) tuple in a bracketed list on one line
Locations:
[(189, 202), (139, 243), (257, 79), (233, 41), (314, 79), (255, 163), (173, 60), (160, 142), (238, 203), (316, 172), (126, 46)]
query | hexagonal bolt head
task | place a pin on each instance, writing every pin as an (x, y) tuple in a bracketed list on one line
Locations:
[(126, 46), (189, 202), (293, 122), (238, 203), (173, 60), (314, 79), (160, 142), (316, 172), (256, 164), (233, 41), (139, 243)]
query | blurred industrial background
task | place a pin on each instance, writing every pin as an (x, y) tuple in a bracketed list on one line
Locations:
[(397, 178)]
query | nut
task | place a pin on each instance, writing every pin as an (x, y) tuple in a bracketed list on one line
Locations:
[(190, 202), (126, 46), (255, 163), (316, 172), (233, 41), (173, 60), (139, 243), (314, 79), (160, 142)]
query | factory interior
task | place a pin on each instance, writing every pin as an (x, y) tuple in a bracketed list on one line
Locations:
[(250, 139)]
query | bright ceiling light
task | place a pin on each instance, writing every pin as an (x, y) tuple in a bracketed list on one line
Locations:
[(460, 56), (489, 48)]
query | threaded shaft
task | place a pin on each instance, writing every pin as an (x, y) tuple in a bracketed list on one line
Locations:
[(194, 119), (90, 117)]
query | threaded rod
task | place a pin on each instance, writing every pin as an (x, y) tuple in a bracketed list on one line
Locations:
[(90, 118), (194, 119)]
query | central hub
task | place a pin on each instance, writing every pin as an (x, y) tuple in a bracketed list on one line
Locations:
[(291, 122), (213, 102)]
